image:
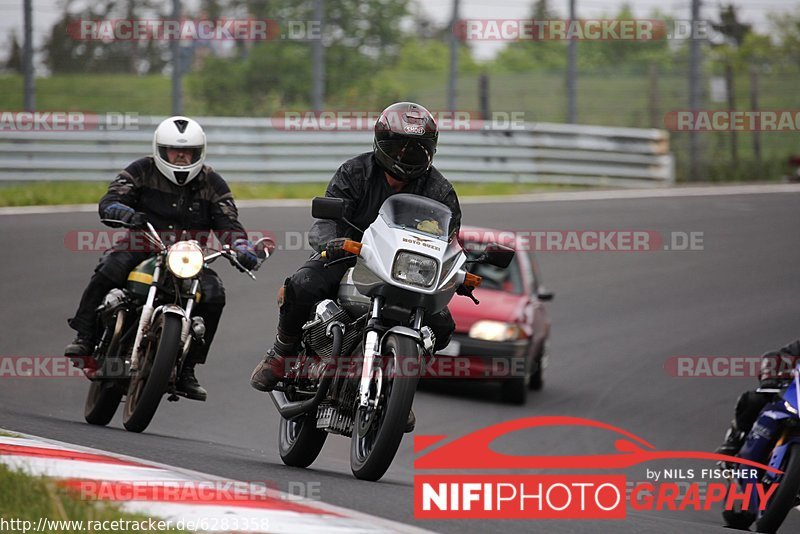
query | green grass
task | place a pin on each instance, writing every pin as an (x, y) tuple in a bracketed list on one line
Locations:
[(29, 498), (66, 192), (8, 434), (98, 93)]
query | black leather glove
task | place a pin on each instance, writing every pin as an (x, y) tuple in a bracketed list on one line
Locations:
[(245, 253), (333, 249), (119, 212)]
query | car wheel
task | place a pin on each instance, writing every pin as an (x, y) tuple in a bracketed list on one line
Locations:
[(537, 376), (515, 389)]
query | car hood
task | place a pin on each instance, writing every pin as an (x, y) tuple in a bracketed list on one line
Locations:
[(494, 306)]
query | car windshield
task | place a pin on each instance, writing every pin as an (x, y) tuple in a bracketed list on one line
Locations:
[(508, 280), (417, 214)]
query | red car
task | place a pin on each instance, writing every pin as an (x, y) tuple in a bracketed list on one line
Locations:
[(505, 337)]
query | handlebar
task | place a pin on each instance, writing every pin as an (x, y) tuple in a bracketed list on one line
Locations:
[(264, 247)]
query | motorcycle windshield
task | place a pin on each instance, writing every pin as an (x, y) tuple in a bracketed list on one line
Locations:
[(417, 214), (791, 393)]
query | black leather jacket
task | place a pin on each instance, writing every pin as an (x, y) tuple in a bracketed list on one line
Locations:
[(204, 204), (363, 186)]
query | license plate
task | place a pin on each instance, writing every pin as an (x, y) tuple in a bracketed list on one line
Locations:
[(452, 349)]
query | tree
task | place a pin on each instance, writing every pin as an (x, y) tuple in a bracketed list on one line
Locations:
[(14, 61), (786, 31), (528, 55), (67, 51), (361, 39), (730, 27)]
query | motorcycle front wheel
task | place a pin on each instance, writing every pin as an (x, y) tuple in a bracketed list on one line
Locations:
[(150, 382), (785, 497), (377, 432)]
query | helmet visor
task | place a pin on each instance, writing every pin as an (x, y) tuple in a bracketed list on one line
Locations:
[(180, 156), (407, 152)]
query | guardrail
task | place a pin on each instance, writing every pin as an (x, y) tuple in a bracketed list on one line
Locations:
[(254, 150)]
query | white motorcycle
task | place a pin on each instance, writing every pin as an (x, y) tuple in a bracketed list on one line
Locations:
[(361, 355)]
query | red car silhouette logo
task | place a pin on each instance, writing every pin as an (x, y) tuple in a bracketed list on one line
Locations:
[(473, 451)]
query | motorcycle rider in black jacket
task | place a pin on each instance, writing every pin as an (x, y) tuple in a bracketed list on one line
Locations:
[(400, 162), (177, 193)]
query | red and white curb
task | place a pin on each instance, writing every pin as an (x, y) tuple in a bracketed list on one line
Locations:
[(183, 497)]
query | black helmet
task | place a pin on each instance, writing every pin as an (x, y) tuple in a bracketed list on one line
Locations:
[(405, 140)]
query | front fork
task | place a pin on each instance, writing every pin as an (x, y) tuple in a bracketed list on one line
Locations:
[(372, 351), (146, 318)]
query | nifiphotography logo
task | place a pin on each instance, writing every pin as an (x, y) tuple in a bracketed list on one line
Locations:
[(482, 495)]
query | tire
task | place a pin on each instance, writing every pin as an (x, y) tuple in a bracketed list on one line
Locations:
[(102, 402), (785, 497), (738, 519), (515, 389), (374, 445), (300, 441), (537, 381), (145, 390), (537, 377), (104, 396)]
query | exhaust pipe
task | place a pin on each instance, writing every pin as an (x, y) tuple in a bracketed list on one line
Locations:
[(289, 409)]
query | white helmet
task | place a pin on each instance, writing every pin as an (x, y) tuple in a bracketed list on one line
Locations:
[(179, 132)]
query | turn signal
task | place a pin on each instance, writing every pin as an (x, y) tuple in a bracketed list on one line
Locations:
[(353, 247), (472, 280)]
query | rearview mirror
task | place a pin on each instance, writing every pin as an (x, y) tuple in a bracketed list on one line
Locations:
[(327, 208), (264, 247), (544, 295), (497, 255)]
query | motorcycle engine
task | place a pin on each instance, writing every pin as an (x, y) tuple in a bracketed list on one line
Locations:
[(113, 300), (315, 332)]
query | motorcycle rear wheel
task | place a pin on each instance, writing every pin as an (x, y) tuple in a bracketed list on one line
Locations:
[(104, 396), (300, 441)]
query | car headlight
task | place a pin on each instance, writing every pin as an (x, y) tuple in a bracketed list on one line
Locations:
[(185, 259), (495, 331), (414, 269)]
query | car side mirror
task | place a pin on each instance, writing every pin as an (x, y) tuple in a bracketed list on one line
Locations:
[(498, 255), (327, 208), (544, 295)]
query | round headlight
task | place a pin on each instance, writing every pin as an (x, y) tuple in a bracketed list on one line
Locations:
[(185, 259), (495, 331), (414, 269)]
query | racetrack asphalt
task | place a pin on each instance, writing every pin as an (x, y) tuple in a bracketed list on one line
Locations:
[(617, 318)]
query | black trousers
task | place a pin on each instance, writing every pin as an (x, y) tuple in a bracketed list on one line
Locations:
[(112, 271), (314, 282)]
